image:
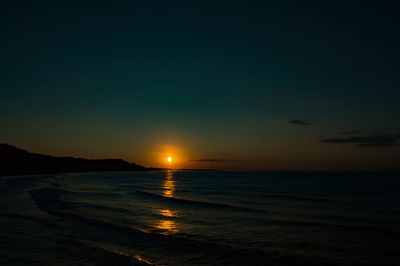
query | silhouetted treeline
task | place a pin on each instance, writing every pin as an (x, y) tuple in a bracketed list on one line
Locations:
[(14, 161)]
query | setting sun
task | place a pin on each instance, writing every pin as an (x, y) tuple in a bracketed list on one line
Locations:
[(169, 159)]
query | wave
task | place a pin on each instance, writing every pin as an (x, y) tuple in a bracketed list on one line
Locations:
[(173, 249), (272, 222), (330, 226), (58, 249), (55, 191), (307, 199), (187, 202), (53, 196), (35, 219), (48, 199)]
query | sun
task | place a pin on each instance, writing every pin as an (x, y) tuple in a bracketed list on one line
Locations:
[(169, 159)]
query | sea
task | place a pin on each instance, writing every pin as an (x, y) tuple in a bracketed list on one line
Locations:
[(200, 218)]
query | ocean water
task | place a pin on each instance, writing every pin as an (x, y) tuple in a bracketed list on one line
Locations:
[(200, 218)]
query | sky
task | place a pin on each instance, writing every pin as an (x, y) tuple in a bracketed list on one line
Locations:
[(234, 85)]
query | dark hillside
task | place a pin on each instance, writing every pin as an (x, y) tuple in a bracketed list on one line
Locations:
[(14, 161)]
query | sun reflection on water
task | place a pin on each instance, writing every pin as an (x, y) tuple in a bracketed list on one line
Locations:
[(168, 190), (167, 213), (168, 185), (169, 227)]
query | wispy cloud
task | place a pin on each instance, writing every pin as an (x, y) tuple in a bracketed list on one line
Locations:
[(366, 141), (298, 122), (351, 132)]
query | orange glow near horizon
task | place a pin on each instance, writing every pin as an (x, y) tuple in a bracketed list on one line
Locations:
[(169, 156)]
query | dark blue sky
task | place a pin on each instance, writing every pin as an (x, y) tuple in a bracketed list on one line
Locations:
[(204, 80)]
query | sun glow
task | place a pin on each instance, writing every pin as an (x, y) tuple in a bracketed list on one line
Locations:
[(169, 157)]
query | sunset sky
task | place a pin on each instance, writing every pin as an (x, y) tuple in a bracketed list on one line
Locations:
[(235, 85)]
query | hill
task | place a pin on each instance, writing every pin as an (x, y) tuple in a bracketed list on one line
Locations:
[(15, 161)]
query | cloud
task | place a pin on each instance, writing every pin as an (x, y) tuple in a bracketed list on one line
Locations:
[(369, 141), (351, 132), (209, 160), (298, 122)]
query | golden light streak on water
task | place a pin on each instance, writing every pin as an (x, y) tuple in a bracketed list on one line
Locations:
[(168, 185), (167, 213), (168, 226)]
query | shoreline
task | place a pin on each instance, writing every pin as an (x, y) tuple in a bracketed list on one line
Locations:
[(113, 171)]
